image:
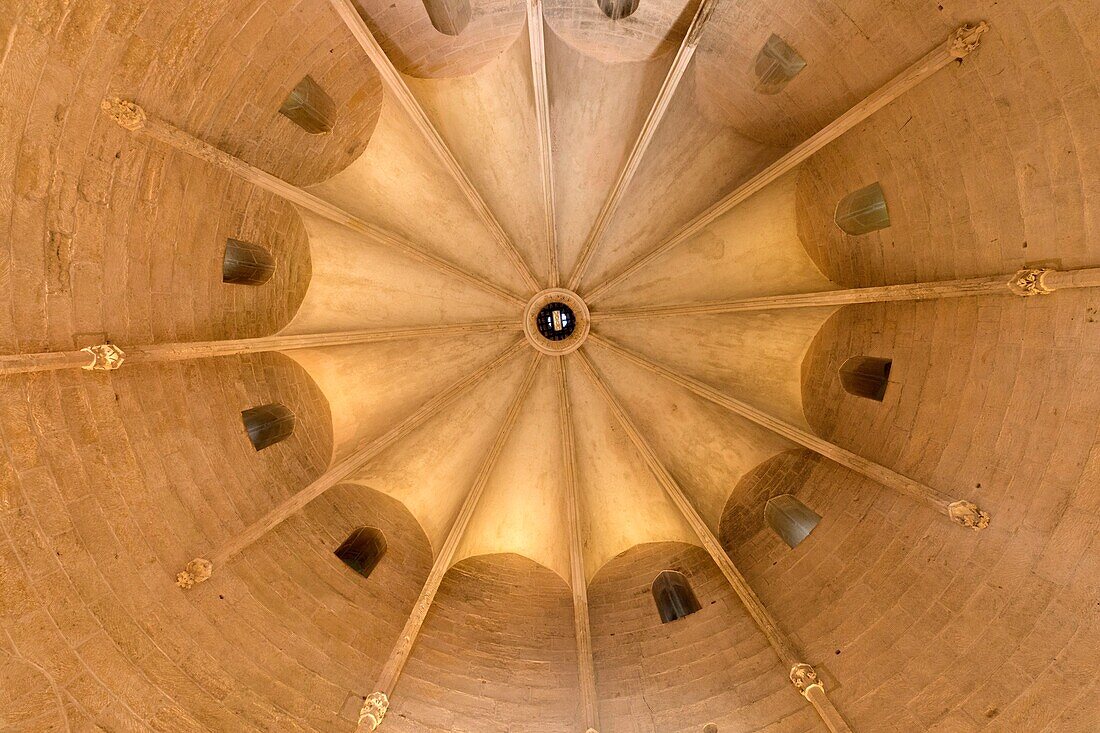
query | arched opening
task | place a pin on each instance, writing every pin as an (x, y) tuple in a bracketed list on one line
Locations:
[(866, 376), (618, 9), (362, 550), (449, 17), (673, 595), (776, 65), (863, 211), (268, 424), (246, 263), (790, 518), (310, 108)]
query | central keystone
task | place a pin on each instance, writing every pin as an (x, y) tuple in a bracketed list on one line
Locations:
[(556, 321)]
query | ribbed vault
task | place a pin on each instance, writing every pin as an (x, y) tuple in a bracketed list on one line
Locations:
[(484, 162)]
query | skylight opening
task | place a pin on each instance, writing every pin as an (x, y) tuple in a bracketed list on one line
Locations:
[(556, 321)]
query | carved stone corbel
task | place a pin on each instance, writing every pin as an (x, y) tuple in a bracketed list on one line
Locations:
[(1028, 282), (374, 710), (128, 114), (105, 357), (967, 39), (198, 571), (804, 677), (968, 514)]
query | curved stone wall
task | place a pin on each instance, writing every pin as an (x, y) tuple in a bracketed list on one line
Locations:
[(986, 166), (496, 653), (416, 48), (992, 400), (655, 29), (743, 515), (713, 666), (109, 484), (988, 399), (112, 234)]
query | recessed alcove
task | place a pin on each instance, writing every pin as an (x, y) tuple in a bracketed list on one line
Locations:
[(673, 596), (246, 263), (449, 17), (866, 376), (776, 65), (789, 518), (310, 107), (618, 9), (268, 424), (363, 549), (863, 211)]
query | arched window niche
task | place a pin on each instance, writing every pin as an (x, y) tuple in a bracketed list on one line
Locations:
[(449, 17), (246, 263), (863, 211), (268, 424), (789, 518), (362, 550), (618, 9), (673, 595), (310, 108), (866, 376), (776, 65)]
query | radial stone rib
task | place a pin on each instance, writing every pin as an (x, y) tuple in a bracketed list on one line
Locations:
[(582, 624), (369, 718), (961, 43), (802, 675), (132, 117), (340, 471), (963, 513), (1025, 282), (645, 137), (537, 41), (45, 362), (396, 85)]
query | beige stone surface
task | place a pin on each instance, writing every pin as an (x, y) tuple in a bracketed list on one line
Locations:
[(112, 482)]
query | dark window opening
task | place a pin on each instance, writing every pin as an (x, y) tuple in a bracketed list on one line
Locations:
[(790, 518), (310, 108), (618, 9), (449, 17), (863, 211), (362, 550), (268, 424), (673, 595), (776, 65), (246, 263), (866, 376), (556, 321)]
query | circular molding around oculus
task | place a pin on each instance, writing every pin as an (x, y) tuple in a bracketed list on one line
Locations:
[(556, 321)]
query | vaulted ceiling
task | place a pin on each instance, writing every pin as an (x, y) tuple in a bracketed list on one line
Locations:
[(634, 168)]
